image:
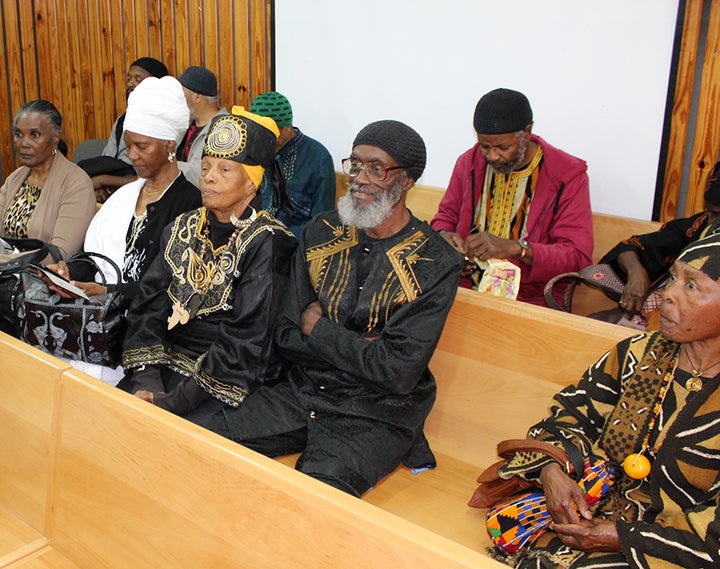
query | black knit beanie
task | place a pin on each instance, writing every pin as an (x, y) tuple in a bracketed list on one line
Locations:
[(502, 111), (400, 141), (153, 66)]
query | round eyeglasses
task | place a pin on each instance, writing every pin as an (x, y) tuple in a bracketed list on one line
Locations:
[(374, 170)]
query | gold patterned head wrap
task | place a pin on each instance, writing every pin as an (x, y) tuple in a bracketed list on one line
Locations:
[(704, 255), (246, 138)]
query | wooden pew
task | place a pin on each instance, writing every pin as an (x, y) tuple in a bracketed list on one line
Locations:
[(497, 365), (28, 382), (115, 482)]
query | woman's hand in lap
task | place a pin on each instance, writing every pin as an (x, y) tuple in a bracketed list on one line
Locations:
[(565, 500)]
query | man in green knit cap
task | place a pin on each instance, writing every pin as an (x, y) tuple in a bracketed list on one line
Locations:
[(305, 163)]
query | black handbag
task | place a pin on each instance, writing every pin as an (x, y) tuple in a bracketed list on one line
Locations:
[(16, 255), (90, 330)]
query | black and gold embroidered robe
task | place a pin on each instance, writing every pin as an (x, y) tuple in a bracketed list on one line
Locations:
[(226, 350), (359, 383)]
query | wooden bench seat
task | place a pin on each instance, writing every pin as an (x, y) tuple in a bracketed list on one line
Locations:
[(497, 366), (110, 481)]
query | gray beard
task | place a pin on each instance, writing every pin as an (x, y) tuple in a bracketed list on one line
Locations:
[(519, 160), (370, 216)]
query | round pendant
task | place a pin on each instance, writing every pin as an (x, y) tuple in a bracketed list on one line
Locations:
[(694, 384), (636, 466)]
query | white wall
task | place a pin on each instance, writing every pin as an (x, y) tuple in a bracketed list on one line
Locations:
[(596, 74)]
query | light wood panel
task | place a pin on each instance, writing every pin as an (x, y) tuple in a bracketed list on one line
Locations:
[(28, 380), (137, 485), (76, 55)]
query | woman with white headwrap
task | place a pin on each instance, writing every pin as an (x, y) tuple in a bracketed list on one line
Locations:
[(129, 225)]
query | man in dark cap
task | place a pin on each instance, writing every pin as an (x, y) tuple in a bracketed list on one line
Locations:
[(370, 289), (203, 100), (305, 163), (642, 260), (113, 168), (514, 196)]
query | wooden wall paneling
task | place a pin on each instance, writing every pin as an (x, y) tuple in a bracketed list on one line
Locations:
[(26, 20), (6, 110), (120, 58), (171, 32), (259, 54), (106, 76), (211, 36), (141, 37), (88, 44), (195, 30), (64, 55), (130, 46), (243, 51), (179, 37), (154, 25), (706, 146), (73, 102), (685, 80), (76, 54), (48, 59), (225, 70), (15, 71)]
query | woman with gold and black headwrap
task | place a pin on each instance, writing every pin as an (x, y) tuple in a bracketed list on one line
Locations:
[(200, 331)]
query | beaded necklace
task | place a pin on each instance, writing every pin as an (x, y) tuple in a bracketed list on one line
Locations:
[(637, 465)]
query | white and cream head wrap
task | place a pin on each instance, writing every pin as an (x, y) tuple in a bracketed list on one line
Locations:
[(157, 108)]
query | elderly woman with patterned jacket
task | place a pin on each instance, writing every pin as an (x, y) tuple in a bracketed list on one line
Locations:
[(200, 330), (651, 406)]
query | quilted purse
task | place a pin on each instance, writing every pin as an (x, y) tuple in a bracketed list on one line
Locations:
[(89, 330)]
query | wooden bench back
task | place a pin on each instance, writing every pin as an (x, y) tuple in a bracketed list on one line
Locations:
[(498, 364), (28, 383), (136, 486)]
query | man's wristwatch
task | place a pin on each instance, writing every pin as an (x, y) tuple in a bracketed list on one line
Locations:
[(525, 246)]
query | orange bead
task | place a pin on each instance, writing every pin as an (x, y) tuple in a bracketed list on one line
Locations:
[(636, 466)]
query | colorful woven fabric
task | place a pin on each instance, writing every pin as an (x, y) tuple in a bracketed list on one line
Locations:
[(522, 519)]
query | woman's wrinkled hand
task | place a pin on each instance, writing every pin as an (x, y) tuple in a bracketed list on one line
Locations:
[(565, 500), (589, 535)]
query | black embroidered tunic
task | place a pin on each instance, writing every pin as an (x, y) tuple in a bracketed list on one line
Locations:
[(225, 350), (359, 384)]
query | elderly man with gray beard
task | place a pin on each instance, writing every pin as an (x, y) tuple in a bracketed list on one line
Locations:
[(370, 289)]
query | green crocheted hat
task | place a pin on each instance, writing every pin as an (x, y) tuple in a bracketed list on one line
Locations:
[(274, 105)]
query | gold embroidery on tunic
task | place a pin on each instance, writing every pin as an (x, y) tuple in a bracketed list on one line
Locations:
[(215, 273)]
